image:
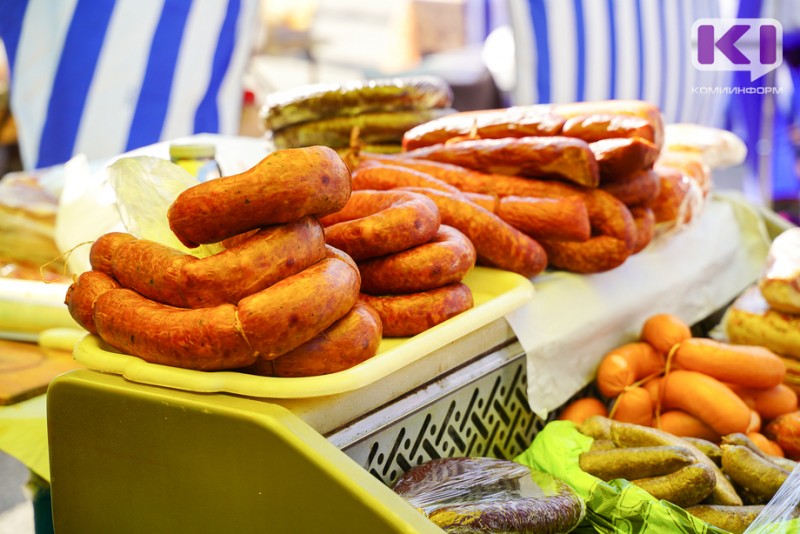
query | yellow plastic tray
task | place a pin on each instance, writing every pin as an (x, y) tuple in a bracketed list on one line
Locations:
[(496, 293)]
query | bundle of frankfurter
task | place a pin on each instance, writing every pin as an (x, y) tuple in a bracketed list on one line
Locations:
[(277, 298), (691, 386), (374, 113), (589, 182)]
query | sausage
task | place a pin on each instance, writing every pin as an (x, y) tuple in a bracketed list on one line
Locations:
[(645, 227), (768, 402), (685, 487), (688, 165), (640, 187), (206, 339), (633, 405), (663, 331), (488, 202), (385, 176), (578, 410), (565, 158), (626, 364), (152, 269), (707, 399), (445, 259), (317, 101), (290, 312), (683, 424), (349, 341), (376, 223), (518, 121), (620, 157), (83, 293), (596, 126), (285, 186), (557, 219), (673, 204), (632, 108), (748, 365), (497, 243), (635, 462), (102, 251), (596, 255), (409, 315), (270, 255), (374, 128)]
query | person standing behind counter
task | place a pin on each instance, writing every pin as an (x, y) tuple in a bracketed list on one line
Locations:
[(102, 77)]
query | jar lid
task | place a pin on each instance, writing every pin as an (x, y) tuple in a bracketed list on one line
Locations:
[(192, 151)]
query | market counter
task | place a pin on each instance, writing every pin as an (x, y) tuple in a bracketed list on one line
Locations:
[(126, 456)]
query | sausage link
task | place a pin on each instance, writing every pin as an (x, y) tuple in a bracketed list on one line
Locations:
[(560, 219), (290, 312), (412, 314), (206, 339), (285, 186), (83, 293), (102, 251), (376, 223), (445, 259)]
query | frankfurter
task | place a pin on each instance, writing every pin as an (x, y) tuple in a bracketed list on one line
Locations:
[(375, 223), (349, 341), (290, 312), (412, 314), (565, 158), (206, 339), (497, 243), (445, 259), (383, 176), (285, 186), (82, 294), (748, 365)]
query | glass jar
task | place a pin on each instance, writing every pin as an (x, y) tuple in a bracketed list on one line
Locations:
[(199, 159)]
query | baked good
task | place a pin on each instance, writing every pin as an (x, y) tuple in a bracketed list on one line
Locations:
[(751, 321), (780, 280)]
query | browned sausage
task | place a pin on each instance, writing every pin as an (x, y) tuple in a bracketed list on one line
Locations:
[(206, 339), (622, 156), (520, 121), (102, 251), (497, 243), (639, 188), (598, 254), (409, 315), (645, 227), (290, 312), (349, 341), (565, 158), (445, 259), (559, 219), (596, 126), (285, 186), (377, 175), (632, 108), (375, 223), (82, 294), (270, 255)]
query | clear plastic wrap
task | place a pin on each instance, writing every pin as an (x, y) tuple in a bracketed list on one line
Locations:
[(145, 187), (780, 515), (490, 495)]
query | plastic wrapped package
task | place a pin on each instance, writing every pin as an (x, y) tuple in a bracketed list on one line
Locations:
[(715, 147), (490, 495)]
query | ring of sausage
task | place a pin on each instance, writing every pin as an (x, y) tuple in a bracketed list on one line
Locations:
[(408, 315), (349, 341), (376, 223), (445, 259)]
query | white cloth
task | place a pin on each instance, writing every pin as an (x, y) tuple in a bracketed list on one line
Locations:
[(99, 78)]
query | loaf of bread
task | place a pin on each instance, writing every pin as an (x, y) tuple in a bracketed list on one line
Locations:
[(780, 280), (751, 321)]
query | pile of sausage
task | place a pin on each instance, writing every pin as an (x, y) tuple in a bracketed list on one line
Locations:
[(274, 294), (580, 187)]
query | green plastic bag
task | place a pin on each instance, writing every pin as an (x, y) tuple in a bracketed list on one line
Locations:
[(615, 507)]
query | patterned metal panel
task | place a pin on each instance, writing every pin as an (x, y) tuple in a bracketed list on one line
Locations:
[(488, 417)]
